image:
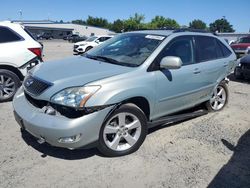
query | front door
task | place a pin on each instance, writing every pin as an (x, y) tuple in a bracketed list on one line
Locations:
[(180, 88)]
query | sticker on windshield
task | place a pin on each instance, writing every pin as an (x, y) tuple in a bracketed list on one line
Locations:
[(154, 37)]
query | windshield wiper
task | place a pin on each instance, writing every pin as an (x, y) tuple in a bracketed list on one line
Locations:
[(109, 60)]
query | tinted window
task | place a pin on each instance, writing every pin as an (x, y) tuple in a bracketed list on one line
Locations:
[(244, 40), (226, 52), (206, 48), (7, 35), (180, 47), (102, 39), (30, 34)]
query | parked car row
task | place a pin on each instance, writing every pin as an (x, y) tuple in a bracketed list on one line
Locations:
[(75, 38), (20, 52), (242, 46), (84, 46), (111, 95)]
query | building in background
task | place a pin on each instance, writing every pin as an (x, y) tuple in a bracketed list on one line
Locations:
[(59, 30)]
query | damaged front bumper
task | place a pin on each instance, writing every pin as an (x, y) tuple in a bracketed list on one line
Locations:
[(55, 129)]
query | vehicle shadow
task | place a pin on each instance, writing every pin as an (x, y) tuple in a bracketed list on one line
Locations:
[(62, 153), (232, 78), (236, 173)]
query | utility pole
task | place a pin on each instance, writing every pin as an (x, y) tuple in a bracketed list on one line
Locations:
[(20, 15)]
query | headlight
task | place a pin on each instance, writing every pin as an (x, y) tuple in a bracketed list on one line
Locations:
[(74, 97)]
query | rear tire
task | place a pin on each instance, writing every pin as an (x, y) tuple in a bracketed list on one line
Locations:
[(123, 132), (219, 98), (9, 83)]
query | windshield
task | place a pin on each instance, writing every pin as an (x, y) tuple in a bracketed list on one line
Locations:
[(244, 40), (90, 39), (130, 49)]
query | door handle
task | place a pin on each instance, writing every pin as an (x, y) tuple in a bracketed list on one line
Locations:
[(225, 64), (197, 71)]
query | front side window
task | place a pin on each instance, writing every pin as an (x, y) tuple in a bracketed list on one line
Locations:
[(7, 35), (181, 47), (130, 49)]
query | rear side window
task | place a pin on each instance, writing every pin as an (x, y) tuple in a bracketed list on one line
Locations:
[(7, 35), (226, 52), (30, 34), (207, 49)]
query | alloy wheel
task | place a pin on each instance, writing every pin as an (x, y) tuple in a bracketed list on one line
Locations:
[(7, 87), (218, 99), (122, 131)]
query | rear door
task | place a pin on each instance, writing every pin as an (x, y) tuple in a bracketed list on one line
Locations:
[(213, 65)]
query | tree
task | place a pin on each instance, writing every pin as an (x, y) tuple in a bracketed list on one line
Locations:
[(221, 25), (197, 24), (117, 26), (80, 22), (99, 22), (159, 22), (134, 23)]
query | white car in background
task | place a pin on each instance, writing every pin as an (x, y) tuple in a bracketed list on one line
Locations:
[(84, 46), (19, 52)]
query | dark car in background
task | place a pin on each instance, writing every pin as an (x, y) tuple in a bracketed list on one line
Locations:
[(76, 38), (241, 46), (46, 36), (242, 71)]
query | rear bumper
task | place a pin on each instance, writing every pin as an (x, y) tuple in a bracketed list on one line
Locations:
[(53, 127)]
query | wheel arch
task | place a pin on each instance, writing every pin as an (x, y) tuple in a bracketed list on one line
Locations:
[(14, 70)]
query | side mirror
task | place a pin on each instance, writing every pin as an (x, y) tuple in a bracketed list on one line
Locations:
[(97, 41), (170, 62)]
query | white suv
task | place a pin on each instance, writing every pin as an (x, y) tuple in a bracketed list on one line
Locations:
[(84, 46), (19, 53)]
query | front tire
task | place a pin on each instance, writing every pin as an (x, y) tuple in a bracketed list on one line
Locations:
[(219, 98), (123, 132), (9, 83)]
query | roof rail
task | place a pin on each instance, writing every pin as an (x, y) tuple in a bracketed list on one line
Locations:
[(190, 30)]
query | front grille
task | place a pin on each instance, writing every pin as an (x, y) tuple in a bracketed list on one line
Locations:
[(245, 65), (35, 86)]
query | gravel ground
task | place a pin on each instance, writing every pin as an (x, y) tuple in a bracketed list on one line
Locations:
[(212, 150)]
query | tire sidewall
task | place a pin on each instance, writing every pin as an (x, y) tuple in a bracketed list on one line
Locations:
[(16, 80), (225, 87), (133, 109)]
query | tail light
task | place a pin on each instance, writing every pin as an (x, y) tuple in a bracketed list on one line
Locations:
[(36, 51)]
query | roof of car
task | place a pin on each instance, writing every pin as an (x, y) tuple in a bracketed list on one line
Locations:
[(155, 32), (167, 32)]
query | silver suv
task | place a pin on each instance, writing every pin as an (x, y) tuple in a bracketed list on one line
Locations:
[(111, 95)]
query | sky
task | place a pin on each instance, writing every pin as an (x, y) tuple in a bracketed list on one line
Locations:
[(183, 11)]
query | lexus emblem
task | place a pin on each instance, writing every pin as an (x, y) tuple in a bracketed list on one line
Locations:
[(29, 82)]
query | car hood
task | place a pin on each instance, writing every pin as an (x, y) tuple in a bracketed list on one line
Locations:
[(245, 59), (240, 45), (76, 71)]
